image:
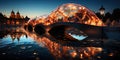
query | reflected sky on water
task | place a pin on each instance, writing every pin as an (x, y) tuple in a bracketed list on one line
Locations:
[(21, 44), (22, 40)]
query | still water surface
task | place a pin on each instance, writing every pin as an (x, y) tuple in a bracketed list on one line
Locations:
[(20, 44)]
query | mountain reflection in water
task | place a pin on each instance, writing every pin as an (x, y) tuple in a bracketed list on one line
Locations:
[(20, 44)]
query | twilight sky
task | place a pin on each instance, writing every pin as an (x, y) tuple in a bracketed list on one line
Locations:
[(33, 8)]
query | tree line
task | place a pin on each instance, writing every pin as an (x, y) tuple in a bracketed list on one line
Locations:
[(114, 16)]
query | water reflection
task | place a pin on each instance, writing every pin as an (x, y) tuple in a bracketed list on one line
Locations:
[(13, 36), (15, 44), (21, 44), (75, 34), (61, 52)]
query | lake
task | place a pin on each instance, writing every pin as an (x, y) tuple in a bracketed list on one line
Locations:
[(18, 43)]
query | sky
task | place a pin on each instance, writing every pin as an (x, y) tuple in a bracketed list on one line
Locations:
[(33, 8)]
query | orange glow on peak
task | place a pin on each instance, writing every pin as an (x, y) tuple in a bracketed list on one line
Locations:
[(70, 13)]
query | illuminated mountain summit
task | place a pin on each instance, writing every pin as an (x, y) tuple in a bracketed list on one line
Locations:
[(72, 13)]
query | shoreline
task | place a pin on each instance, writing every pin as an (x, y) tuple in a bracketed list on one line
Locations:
[(5, 26)]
